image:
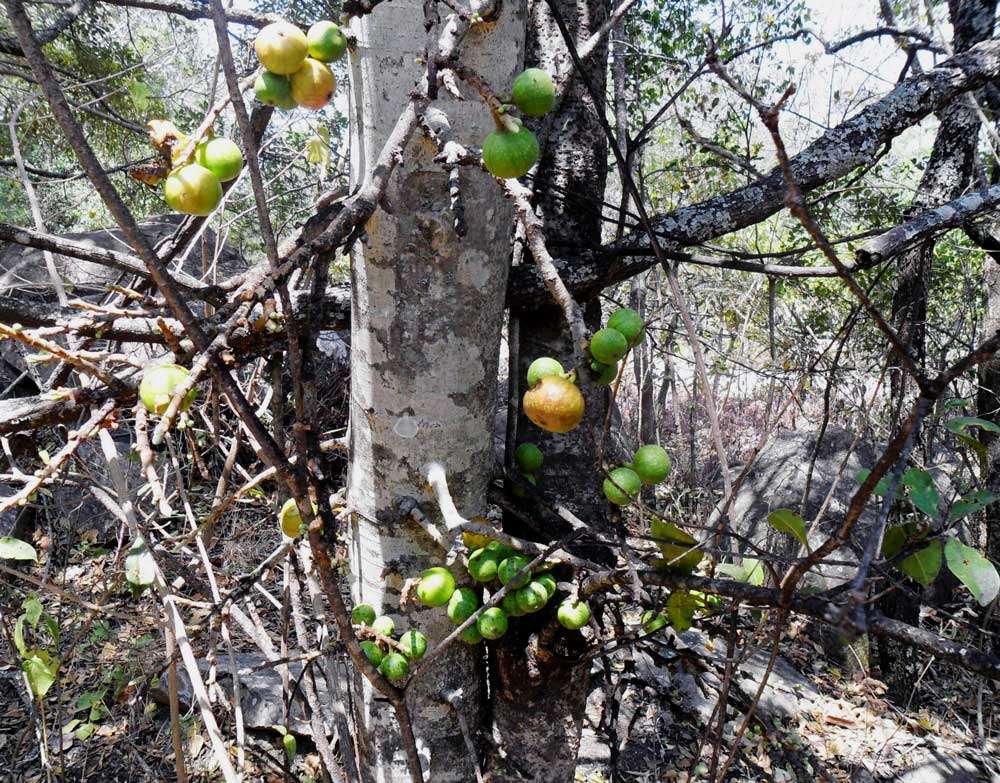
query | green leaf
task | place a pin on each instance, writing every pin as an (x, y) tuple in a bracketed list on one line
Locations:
[(881, 486), (973, 570), (681, 607), (893, 541), (33, 609), (139, 93), (733, 571), (784, 520), (84, 731), (93, 701), (962, 423), (52, 626), (923, 565), (19, 644), (140, 568), (959, 427), (750, 571), (15, 549), (971, 503), (923, 493), (40, 668), (755, 571)]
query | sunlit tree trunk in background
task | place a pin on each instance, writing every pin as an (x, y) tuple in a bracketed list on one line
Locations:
[(947, 175), (427, 312), (540, 693)]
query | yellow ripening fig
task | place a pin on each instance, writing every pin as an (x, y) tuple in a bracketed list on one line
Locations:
[(554, 404), (281, 47), (312, 84), (192, 190)]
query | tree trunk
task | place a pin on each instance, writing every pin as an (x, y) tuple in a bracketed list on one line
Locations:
[(988, 401), (541, 694), (426, 319), (948, 173)]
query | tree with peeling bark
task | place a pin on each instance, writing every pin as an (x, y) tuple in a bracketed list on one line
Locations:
[(432, 473)]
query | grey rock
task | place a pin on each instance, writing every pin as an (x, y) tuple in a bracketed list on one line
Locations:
[(938, 768), (24, 268), (777, 479), (23, 273), (12, 521), (73, 509), (787, 692), (261, 691)]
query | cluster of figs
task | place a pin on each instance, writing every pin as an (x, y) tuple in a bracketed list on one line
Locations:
[(295, 73), (295, 64), (489, 566), (512, 149), (390, 655), (492, 566), (554, 403), (194, 184)]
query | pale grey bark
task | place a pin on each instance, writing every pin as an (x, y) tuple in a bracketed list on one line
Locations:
[(426, 317)]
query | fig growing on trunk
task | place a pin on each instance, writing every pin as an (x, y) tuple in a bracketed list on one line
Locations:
[(508, 570), (414, 645), (542, 366), (462, 605), (312, 84), (384, 625), (629, 323), (651, 463), (483, 564), (372, 652), (158, 385), (606, 373), (533, 92), (554, 404), (281, 47), (274, 90), (573, 614), (363, 614), (492, 623), (509, 154), (608, 346), (532, 597), (548, 582), (529, 457), (471, 635), (220, 156), (394, 667), (509, 605), (192, 190), (622, 485), (326, 42), (436, 586)]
